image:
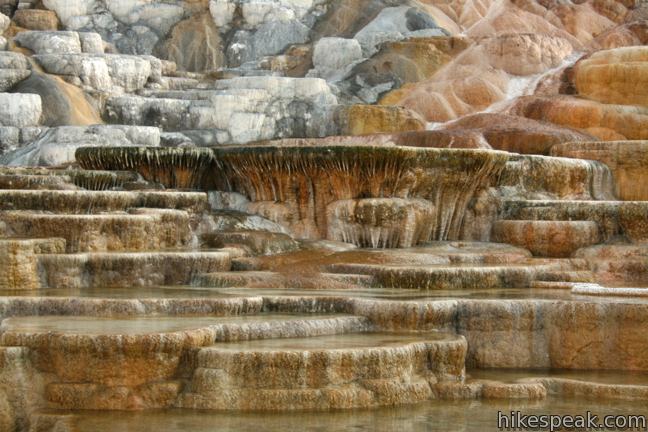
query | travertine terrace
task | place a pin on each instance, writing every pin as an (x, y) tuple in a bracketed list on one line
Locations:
[(336, 214)]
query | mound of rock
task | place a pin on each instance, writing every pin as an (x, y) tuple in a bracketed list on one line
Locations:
[(618, 76)]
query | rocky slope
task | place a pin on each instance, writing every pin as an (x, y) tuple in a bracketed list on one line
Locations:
[(232, 72)]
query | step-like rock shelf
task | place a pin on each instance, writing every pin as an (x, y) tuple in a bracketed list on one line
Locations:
[(256, 215)]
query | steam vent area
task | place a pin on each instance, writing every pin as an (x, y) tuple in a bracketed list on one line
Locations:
[(322, 215)]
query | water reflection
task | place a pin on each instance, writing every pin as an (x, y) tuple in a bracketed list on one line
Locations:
[(442, 416)]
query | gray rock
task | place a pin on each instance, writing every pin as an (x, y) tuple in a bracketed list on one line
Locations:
[(57, 105), (274, 37), (332, 56), (57, 145), (4, 22), (202, 137), (168, 114), (68, 9), (30, 133), (91, 43), (102, 72), (13, 60), (270, 38), (3, 43), (20, 110), (92, 71), (137, 40), (50, 42), (258, 108), (230, 220), (9, 138), (219, 200), (175, 139), (392, 24), (128, 72), (426, 33), (12, 138), (160, 17), (419, 20), (10, 77)]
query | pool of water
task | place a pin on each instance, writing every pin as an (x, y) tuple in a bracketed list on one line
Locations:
[(338, 341), (441, 416), (121, 293), (86, 325), (191, 292), (596, 376)]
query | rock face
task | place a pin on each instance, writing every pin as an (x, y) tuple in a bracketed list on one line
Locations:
[(626, 159), (264, 205), (512, 133), (333, 56), (614, 76), (526, 54), (396, 23), (100, 72), (20, 110), (36, 19), (609, 105), (371, 119), (195, 45), (57, 145), (50, 42), (240, 109), (381, 223), (19, 264), (308, 179), (547, 238)]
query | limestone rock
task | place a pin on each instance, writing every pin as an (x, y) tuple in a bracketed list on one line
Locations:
[(20, 110), (63, 103), (57, 145), (399, 63), (67, 10), (270, 38), (513, 133), (44, 42), (9, 138), (531, 177), (159, 17), (13, 60), (5, 21), (10, 77), (526, 54), (618, 76), (137, 40), (332, 56), (91, 43), (36, 19), (381, 223), (557, 239), (257, 108), (342, 172), (222, 12), (102, 72), (628, 161), (168, 114), (195, 45), (392, 24), (371, 119), (605, 121)]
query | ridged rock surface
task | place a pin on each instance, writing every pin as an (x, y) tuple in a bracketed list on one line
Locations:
[(626, 159), (618, 76)]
